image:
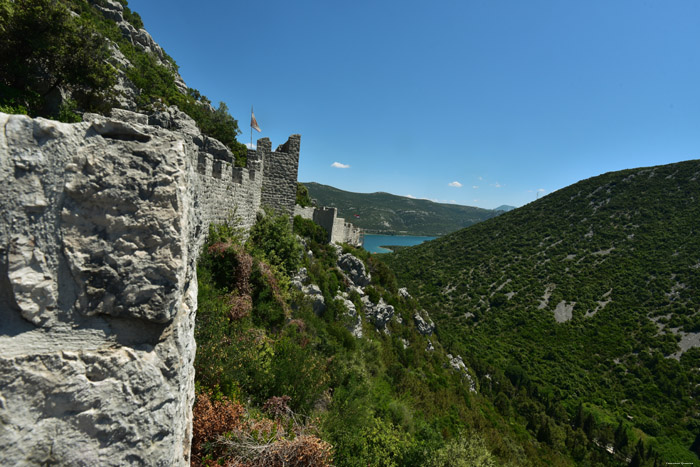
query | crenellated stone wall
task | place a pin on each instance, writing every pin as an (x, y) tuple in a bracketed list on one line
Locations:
[(101, 225), (279, 174), (226, 193)]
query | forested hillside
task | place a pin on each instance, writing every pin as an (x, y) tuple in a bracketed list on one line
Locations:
[(398, 215), (580, 312)]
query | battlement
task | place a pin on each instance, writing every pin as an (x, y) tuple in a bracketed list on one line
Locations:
[(227, 193), (280, 170)]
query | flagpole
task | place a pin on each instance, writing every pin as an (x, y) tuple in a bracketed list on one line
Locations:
[(251, 129)]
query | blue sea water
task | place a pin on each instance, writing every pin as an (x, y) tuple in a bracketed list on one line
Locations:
[(373, 243)]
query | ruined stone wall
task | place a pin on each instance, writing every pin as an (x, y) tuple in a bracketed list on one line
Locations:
[(325, 217), (97, 293), (339, 231), (228, 194), (345, 232), (101, 226), (305, 212), (280, 174)]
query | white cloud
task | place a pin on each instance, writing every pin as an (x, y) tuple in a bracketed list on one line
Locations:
[(455, 184), (338, 165), (410, 196), (480, 177), (475, 186), (496, 185), (541, 190), (250, 145)]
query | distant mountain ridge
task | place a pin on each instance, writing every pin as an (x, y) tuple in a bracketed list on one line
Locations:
[(398, 215), (589, 298)]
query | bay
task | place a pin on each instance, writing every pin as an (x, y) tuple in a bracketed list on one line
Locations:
[(374, 243)]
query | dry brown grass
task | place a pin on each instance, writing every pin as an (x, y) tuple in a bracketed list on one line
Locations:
[(222, 435)]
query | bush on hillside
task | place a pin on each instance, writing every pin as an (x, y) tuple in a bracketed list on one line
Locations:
[(271, 237), (303, 197), (44, 50)]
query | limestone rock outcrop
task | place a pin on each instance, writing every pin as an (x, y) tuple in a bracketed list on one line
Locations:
[(313, 293), (139, 38), (424, 325), (354, 268), (457, 364), (355, 326), (97, 292), (378, 313)]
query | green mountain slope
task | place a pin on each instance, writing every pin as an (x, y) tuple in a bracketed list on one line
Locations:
[(391, 214), (586, 303)]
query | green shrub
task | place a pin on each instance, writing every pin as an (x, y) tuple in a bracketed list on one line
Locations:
[(44, 48), (309, 229), (462, 451), (303, 197), (271, 237)]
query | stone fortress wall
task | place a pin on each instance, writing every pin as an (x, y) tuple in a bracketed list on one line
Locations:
[(226, 193), (339, 231), (100, 228)]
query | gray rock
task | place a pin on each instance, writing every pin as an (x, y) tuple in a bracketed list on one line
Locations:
[(313, 292), (403, 293), (338, 249), (458, 365), (300, 279), (355, 269), (172, 118), (98, 243), (430, 347), (425, 325), (129, 116), (379, 314), (355, 327), (102, 223), (360, 291), (141, 39)]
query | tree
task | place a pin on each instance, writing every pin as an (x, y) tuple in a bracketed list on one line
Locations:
[(621, 437), (45, 50), (303, 197)]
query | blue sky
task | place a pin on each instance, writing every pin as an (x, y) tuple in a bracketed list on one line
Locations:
[(506, 98)]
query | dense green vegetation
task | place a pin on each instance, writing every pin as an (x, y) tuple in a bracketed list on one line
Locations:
[(57, 65), (378, 400), (42, 48), (397, 215), (621, 253), (303, 197)]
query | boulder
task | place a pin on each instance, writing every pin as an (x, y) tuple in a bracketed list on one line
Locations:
[(300, 279), (458, 365), (313, 292), (98, 292), (355, 327), (379, 314), (425, 325), (354, 268)]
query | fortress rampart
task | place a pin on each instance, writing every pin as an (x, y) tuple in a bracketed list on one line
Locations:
[(101, 225), (339, 231)]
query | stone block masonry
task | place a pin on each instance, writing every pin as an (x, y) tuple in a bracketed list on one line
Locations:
[(339, 231), (101, 224), (280, 169)]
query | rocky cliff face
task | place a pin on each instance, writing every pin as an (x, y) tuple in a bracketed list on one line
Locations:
[(125, 91), (98, 292)]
